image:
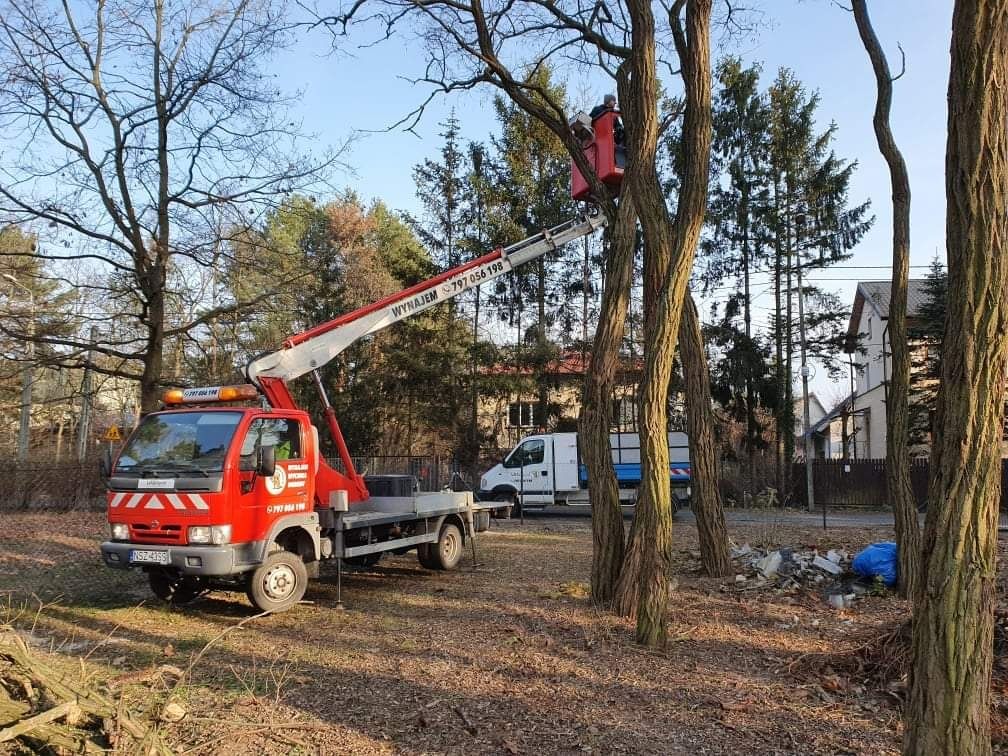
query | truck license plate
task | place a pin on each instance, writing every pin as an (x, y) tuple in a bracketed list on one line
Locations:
[(149, 557)]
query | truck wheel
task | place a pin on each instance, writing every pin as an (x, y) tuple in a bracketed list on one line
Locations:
[(447, 552), (508, 511), (176, 589), (278, 583), (423, 552)]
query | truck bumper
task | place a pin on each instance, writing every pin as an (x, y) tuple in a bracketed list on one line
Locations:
[(188, 560)]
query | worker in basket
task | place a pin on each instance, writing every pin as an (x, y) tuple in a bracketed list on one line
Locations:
[(609, 106)]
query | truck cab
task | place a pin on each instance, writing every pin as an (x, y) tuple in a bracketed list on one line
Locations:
[(205, 491)]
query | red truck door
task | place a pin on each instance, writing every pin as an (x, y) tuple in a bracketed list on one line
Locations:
[(264, 500)]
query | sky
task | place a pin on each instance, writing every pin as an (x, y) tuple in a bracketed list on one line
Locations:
[(366, 89)]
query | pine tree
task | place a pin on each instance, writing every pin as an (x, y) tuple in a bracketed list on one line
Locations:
[(531, 192), (814, 226), (737, 244), (926, 332), (442, 229)]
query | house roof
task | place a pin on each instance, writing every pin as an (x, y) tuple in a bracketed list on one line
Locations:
[(568, 363), (879, 294)]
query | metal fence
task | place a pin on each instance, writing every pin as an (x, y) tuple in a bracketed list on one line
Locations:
[(55, 486), (74, 486), (862, 482), (67, 486)]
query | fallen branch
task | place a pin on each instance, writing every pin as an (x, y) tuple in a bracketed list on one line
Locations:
[(27, 725)]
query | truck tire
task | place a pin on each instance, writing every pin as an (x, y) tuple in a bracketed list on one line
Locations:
[(278, 583), (175, 589), (423, 552), (507, 501), (447, 552)]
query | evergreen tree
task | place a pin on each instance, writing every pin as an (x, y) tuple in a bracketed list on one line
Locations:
[(532, 192), (813, 225), (926, 331), (442, 229), (737, 245)]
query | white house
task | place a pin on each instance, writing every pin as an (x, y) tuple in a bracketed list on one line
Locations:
[(870, 353), (827, 438)]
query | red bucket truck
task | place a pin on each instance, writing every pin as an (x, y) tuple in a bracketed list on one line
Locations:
[(210, 493)]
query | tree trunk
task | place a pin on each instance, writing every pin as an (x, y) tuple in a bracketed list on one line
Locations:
[(596, 408), (901, 497), (950, 699), (704, 468), (153, 359), (643, 586), (788, 408)]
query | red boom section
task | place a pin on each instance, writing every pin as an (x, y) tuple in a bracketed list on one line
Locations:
[(327, 479), (350, 317)]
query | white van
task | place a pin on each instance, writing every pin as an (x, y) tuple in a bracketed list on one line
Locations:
[(547, 469)]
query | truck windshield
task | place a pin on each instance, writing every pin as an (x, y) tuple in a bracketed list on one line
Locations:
[(182, 442)]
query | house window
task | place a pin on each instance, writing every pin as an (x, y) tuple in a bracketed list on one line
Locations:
[(871, 331), (624, 413), (867, 375), (523, 415)]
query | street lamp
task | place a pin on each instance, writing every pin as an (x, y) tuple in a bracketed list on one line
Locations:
[(26, 386)]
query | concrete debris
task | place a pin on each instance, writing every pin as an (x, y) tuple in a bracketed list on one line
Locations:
[(768, 565), (829, 565), (788, 570)]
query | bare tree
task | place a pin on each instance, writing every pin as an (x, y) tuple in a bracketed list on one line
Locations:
[(473, 43), (467, 46), (901, 497), (950, 684), (136, 130), (671, 246)]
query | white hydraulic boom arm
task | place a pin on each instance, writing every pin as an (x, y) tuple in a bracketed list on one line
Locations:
[(312, 349)]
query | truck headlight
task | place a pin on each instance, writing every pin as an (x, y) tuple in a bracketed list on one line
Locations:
[(212, 534), (120, 531)]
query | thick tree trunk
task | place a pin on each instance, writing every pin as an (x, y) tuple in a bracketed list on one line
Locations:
[(706, 496), (643, 586), (901, 497), (596, 408), (153, 361), (949, 706)]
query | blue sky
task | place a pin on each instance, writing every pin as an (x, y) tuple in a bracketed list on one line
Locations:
[(364, 89)]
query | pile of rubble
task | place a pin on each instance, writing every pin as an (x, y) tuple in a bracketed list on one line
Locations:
[(790, 570)]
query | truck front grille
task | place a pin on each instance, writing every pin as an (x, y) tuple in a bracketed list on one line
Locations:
[(160, 534)]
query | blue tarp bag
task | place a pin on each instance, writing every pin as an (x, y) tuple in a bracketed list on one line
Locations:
[(878, 559)]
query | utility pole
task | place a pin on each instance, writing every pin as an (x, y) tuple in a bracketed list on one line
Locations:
[(84, 427), (29, 373), (806, 422)]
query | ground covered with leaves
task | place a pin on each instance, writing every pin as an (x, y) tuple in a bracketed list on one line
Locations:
[(508, 656)]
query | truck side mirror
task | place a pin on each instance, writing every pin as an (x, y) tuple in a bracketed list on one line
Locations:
[(105, 464), (266, 461)]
